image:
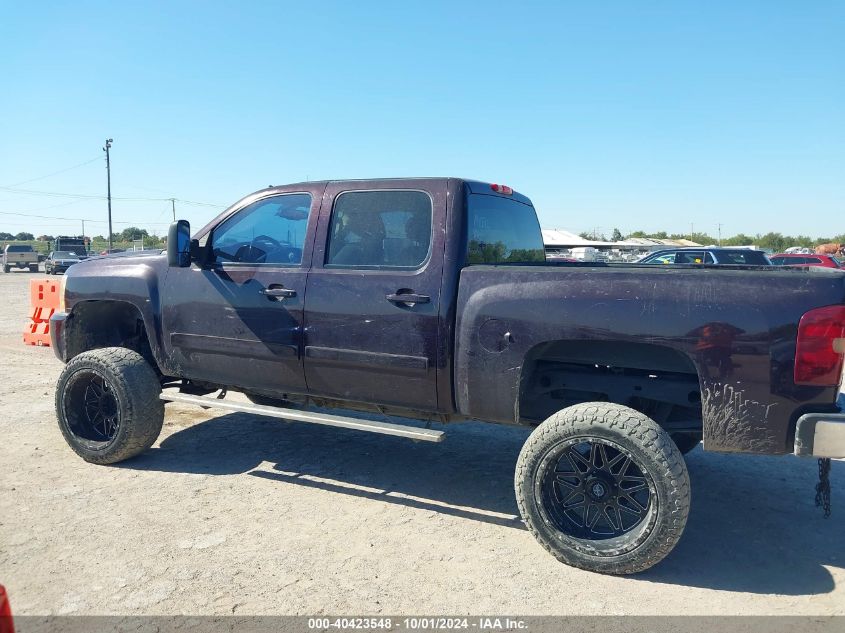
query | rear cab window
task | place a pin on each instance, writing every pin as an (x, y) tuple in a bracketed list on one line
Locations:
[(18, 248), (502, 230)]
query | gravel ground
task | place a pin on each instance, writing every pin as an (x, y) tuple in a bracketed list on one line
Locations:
[(230, 513)]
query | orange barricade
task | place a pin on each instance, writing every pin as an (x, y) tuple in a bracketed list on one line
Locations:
[(44, 300)]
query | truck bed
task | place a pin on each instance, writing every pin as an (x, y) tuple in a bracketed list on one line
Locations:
[(732, 329)]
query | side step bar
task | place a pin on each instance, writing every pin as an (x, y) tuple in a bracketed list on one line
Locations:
[(385, 428)]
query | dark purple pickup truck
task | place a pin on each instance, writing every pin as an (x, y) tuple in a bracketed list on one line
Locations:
[(431, 300)]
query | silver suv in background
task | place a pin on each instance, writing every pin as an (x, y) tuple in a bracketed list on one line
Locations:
[(708, 255)]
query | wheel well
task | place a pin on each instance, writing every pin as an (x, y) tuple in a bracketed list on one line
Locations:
[(98, 324), (658, 381)]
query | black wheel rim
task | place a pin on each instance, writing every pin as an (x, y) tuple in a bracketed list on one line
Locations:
[(91, 407), (593, 489)]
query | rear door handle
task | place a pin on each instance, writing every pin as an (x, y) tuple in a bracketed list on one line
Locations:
[(277, 293), (407, 298)]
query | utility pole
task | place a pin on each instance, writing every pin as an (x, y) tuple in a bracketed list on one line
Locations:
[(108, 184), (173, 206), (83, 232), (720, 233), (691, 231)]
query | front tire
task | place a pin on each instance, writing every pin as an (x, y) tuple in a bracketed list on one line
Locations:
[(108, 406), (602, 487)]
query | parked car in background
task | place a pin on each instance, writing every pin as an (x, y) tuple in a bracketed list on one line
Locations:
[(20, 256), (718, 256), (801, 259), (59, 262)]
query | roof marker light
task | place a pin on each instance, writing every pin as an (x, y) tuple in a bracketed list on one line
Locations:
[(503, 189)]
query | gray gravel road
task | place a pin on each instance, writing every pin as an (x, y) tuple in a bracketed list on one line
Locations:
[(230, 513)]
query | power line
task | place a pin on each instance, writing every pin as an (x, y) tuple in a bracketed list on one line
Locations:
[(85, 196), (53, 217), (61, 171)]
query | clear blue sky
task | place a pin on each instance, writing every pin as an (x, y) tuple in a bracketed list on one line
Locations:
[(649, 115)]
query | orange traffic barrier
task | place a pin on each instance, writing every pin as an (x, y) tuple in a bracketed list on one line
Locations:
[(44, 300), (44, 293)]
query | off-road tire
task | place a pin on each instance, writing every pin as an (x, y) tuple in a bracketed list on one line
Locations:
[(136, 389), (33, 269), (654, 454)]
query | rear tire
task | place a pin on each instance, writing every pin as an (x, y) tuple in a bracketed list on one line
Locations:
[(6, 268), (108, 406), (33, 269), (602, 487)]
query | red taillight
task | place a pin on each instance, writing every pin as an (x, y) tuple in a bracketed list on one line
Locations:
[(504, 189), (819, 347)]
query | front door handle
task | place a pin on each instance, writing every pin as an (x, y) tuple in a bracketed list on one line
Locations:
[(408, 298), (278, 293)]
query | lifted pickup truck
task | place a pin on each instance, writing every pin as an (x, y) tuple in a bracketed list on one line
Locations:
[(20, 256), (431, 299)]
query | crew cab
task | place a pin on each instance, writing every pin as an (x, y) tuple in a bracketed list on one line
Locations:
[(430, 300), (19, 256)]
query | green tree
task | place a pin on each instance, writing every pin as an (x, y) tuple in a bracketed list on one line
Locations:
[(24, 236), (616, 236), (131, 233)]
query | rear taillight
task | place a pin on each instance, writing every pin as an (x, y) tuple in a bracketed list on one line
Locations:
[(820, 346), (503, 189)]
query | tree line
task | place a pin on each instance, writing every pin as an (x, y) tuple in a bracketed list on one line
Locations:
[(775, 242), (126, 235)]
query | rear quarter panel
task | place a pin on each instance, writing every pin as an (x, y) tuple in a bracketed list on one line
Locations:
[(751, 408)]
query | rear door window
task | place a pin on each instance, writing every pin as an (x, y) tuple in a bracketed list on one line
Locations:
[(388, 229), (693, 257), (744, 257)]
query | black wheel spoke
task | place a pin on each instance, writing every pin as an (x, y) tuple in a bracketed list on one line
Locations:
[(98, 418), (596, 490), (565, 480)]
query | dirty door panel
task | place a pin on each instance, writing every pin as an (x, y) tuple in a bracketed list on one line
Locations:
[(374, 295), (238, 320)]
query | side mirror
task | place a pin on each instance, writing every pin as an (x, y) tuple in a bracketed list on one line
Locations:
[(179, 244)]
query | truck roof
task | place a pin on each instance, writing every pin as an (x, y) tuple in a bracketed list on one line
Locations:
[(475, 186)]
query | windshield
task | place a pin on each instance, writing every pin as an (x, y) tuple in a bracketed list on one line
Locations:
[(501, 230), (64, 255)]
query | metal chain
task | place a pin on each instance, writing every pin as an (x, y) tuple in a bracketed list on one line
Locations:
[(823, 487)]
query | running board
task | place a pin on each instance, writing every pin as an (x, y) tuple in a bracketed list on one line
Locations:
[(385, 428)]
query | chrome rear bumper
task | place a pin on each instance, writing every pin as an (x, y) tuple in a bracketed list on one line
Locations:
[(820, 435)]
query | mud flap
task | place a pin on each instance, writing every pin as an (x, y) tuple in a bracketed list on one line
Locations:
[(823, 487)]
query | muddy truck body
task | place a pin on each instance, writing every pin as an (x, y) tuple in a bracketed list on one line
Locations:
[(430, 300)]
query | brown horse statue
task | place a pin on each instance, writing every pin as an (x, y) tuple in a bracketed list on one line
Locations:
[(829, 249)]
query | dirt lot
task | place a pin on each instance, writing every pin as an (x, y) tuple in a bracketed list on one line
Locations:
[(231, 513)]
